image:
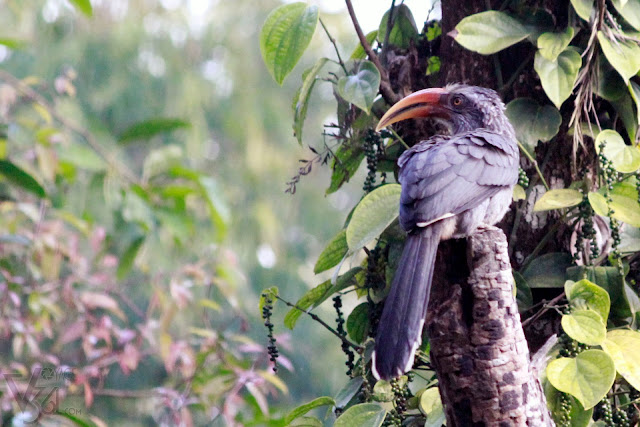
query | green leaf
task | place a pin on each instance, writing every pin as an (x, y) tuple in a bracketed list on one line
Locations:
[(303, 409), (433, 65), (625, 109), (218, 208), (624, 56), (585, 326), (84, 6), (404, 27), (431, 406), (19, 177), (625, 158), (347, 392), (559, 76), (585, 293), (14, 44), (152, 127), (608, 84), (306, 422), (333, 253), (547, 271), (626, 209), (82, 157), (489, 32), (361, 89), (533, 122), (358, 52), (583, 8), (577, 414), (267, 294), (588, 377), (550, 45), (373, 214), (364, 414), (345, 164), (128, 257), (623, 346), (609, 279), (524, 297), (301, 100), (518, 193), (358, 323), (630, 11), (634, 90), (383, 391), (316, 296), (285, 36), (558, 199)]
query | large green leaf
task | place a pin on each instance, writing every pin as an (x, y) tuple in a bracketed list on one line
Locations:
[(630, 11), (625, 108), (361, 88), (285, 36), (625, 158), (372, 215), (608, 84), (588, 377), (301, 100), (583, 8), (609, 279), (625, 208), (152, 127), (559, 76), (358, 322), (358, 52), (547, 271), (346, 162), (303, 409), (363, 414), (404, 27), (585, 293), (550, 45), (533, 122), (84, 6), (624, 56), (19, 177), (431, 406), (558, 199), (333, 253), (316, 296), (585, 326), (623, 346), (489, 32)]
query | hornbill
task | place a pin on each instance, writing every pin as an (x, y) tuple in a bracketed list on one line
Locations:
[(451, 185)]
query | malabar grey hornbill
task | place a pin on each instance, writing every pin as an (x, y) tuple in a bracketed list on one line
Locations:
[(451, 185)]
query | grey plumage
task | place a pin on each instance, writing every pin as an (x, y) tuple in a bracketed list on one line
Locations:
[(450, 185)]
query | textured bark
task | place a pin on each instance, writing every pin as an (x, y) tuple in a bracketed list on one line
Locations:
[(478, 347)]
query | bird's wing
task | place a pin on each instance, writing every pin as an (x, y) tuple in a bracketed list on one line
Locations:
[(448, 175)]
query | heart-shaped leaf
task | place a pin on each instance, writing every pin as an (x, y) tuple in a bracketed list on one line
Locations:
[(372, 215), (361, 89), (285, 35), (533, 122), (363, 414), (489, 32), (431, 406), (585, 326), (558, 199), (404, 27), (588, 377), (623, 345), (587, 294), (559, 76), (547, 271), (630, 11), (625, 209), (550, 45), (625, 158), (624, 56), (583, 8)]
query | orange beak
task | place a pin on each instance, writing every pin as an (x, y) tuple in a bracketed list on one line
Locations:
[(423, 103)]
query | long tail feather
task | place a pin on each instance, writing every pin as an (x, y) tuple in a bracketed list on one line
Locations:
[(400, 328)]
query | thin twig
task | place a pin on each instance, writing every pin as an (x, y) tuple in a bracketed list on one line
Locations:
[(535, 164), (385, 86), (546, 308), (399, 138), (335, 46), (322, 322)]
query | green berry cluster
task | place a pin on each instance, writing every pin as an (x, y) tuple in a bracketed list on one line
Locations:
[(587, 232), (401, 393), (393, 419), (565, 408), (373, 150), (609, 175), (337, 304), (523, 179), (621, 418), (570, 347), (267, 310), (606, 413)]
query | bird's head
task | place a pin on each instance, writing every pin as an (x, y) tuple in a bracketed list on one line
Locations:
[(461, 107)]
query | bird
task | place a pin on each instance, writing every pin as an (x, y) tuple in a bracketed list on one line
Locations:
[(451, 184)]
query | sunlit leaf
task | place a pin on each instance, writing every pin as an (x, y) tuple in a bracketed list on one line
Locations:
[(361, 88), (20, 178), (301, 100), (585, 326), (533, 122), (372, 215), (630, 11), (404, 27), (431, 406), (626, 209), (363, 414), (383, 391), (285, 35), (303, 409), (558, 199), (588, 377), (559, 76), (489, 32), (358, 52), (152, 127), (624, 56), (583, 8), (625, 158), (550, 45), (358, 323), (14, 44), (333, 253), (585, 293), (518, 193), (84, 6), (623, 345)]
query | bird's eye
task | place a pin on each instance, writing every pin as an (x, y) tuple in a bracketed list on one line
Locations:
[(457, 101)]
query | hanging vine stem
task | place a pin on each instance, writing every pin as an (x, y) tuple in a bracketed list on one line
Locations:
[(335, 46)]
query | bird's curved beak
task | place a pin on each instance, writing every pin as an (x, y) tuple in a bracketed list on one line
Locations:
[(423, 103)]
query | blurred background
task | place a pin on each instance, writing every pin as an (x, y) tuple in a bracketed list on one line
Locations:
[(163, 149)]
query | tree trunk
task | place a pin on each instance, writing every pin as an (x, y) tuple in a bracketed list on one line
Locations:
[(478, 347)]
